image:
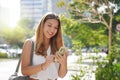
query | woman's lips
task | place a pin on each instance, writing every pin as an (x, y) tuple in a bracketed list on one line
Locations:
[(50, 33)]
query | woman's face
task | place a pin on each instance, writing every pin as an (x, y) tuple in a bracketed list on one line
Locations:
[(50, 28)]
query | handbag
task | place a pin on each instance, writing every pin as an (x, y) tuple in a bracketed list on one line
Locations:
[(22, 77)]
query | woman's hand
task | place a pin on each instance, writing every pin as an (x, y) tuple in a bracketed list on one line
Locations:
[(49, 60), (62, 59)]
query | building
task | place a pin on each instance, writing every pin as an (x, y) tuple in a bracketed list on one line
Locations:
[(35, 9)]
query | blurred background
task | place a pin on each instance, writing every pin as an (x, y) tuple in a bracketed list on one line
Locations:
[(91, 32), (18, 20)]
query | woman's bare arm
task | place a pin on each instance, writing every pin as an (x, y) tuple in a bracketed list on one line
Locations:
[(63, 64), (26, 68)]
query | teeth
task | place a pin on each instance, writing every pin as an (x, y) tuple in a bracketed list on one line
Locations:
[(50, 33)]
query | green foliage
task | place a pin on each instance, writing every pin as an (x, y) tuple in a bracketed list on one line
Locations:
[(13, 36), (76, 5), (77, 45), (3, 55), (75, 77), (67, 41), (116, 19), (87, 34), (26, 23), (107, 17), (60, 3), (80, 74), (16, 36), (110, 70)]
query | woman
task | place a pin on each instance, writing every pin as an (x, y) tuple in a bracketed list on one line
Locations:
[(47, 42)]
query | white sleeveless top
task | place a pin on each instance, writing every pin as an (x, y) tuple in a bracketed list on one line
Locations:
[(50, 73)]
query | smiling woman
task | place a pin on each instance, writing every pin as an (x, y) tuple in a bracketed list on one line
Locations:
[(10, 11)]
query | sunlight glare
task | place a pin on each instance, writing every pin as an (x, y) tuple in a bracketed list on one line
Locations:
[(13, 7)]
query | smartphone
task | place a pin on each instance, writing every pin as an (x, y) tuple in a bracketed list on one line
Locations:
[(62, 50)]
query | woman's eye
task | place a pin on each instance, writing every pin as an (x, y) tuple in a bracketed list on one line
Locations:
[(49, 25), (56, 27)]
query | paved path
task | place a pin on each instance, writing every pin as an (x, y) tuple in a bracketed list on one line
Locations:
[(7, 68)]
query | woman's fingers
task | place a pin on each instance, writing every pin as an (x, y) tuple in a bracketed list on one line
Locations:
[(49, 60), (59, 58)]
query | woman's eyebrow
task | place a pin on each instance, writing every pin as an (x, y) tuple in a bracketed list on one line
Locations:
[(49, 23)]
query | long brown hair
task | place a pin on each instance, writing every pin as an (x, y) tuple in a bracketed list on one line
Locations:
[(55, 42)]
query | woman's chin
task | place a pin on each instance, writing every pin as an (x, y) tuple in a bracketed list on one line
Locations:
[(48, 37)]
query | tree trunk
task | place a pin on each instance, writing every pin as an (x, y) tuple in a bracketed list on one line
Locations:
[(110, 39)]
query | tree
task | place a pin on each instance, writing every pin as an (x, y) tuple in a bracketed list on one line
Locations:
[(17, 35), (86, 35), (14, 37), (24, 22), (96, 11)]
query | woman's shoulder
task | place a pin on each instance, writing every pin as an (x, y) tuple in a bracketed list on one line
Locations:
[(28, 42)]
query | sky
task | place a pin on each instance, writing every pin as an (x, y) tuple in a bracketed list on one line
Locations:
[(14, 7)]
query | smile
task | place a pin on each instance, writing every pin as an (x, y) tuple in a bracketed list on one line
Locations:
[(50, 33)]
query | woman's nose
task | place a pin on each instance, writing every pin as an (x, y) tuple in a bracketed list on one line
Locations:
[(52, 30)]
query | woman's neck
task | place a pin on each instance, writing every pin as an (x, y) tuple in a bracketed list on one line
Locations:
[(46, 43)]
